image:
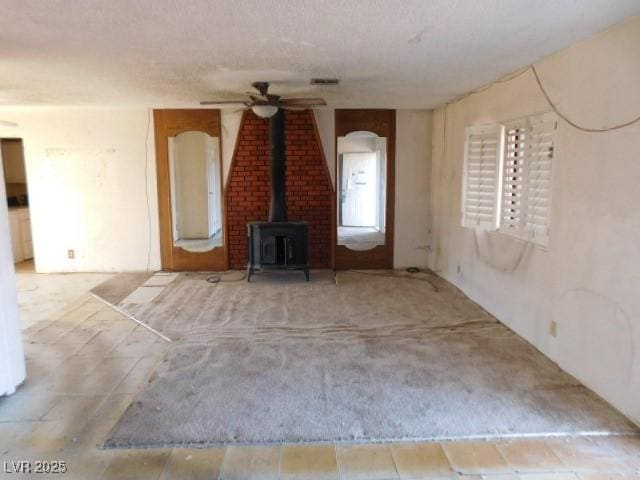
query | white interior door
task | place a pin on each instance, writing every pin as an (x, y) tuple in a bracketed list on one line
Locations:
[(359, 185), (215, 195), (191, 185)]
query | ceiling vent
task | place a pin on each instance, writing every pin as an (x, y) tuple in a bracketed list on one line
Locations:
[(324, 81)]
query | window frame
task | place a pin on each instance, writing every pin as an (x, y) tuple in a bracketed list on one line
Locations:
[(486, 129), (523, 231)]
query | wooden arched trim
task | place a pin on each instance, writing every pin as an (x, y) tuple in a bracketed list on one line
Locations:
[(169, 123), (383, 124)]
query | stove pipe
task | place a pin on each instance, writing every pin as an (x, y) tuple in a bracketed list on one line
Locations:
[(278, 207)]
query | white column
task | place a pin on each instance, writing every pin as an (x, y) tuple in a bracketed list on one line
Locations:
[(12, 367)]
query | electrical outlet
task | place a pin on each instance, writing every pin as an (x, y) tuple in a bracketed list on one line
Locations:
[(553, 329), (71, 253)]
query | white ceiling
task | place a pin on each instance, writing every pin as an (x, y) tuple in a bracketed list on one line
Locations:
[(387, 53)]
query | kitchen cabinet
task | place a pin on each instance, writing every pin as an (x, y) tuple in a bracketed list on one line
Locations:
[(20, 226), (16, 235)]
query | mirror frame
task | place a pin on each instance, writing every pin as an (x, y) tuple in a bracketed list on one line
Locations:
[(382, 123), (169, 123)]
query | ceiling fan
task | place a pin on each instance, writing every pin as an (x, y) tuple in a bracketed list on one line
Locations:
[(265, 104)]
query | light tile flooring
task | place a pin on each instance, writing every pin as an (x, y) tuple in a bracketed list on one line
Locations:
[(86, 363), (40, 295)]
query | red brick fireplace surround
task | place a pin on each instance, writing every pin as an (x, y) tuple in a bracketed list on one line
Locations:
[(309, 188)]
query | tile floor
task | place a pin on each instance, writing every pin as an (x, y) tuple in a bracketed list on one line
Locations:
[(41, 295), (86, 363)]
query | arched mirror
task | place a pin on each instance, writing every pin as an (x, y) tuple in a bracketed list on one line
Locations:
[(196, 192), (362, 189), (190, 193), (365, 184)]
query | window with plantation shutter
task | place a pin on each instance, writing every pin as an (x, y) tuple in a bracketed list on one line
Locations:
[(482, 176), (513, 178), (526, 178)]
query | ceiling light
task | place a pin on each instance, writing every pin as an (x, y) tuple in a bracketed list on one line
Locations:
[(264, 111)]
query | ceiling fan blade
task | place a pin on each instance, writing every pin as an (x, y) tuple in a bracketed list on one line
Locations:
[(6, 123), (262, 87), (291, 107), (307, 102), (257, 98), (242, 109), (224, 102)]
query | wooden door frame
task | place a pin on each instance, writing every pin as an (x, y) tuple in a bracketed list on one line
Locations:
[(169, 123), (382, 122)]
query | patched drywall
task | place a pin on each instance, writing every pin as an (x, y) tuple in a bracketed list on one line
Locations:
[(587, 279), (92, 186), (12, 366)]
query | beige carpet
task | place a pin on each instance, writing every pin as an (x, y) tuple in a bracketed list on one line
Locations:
[(369, 358)]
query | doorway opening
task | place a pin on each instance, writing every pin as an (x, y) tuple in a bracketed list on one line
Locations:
[(196, 197), (17, 193), (365, 185), (362, 188)]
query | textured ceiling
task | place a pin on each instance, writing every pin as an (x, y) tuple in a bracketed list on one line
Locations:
[(387, 53)]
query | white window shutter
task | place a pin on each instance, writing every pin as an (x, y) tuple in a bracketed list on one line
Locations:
[(539, 162), (482, 176), (513, 178), (526, 181)]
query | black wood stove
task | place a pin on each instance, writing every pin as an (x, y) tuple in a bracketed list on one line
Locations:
[(278, 244)]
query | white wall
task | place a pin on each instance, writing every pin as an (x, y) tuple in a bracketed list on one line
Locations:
[(326, 123), (12, 367), (86, 174), (588, 278), (214, 184), (230, 129), (413, 166)]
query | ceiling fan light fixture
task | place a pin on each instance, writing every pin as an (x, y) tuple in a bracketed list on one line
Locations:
[(264, 111)]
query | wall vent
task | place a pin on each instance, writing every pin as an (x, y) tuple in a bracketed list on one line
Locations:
[(324, 81)]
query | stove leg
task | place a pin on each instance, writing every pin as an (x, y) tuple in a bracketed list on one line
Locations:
[(306, 273)]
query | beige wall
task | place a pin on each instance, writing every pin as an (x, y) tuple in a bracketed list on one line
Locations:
[(413, 166), (86, 170), (588, 279)]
